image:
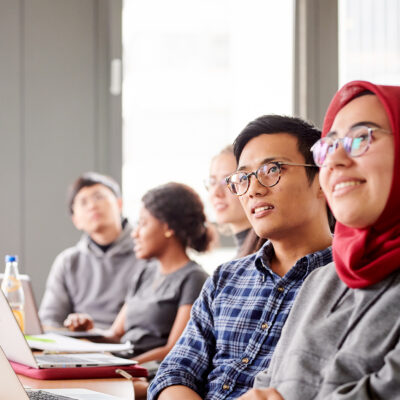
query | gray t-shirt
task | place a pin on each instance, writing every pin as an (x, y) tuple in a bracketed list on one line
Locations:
[(153, 301)]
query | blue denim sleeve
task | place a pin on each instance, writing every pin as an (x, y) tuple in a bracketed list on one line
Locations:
[(189, 361)]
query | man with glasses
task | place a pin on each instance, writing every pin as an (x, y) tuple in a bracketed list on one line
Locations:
[(238, 318), (92, 277)]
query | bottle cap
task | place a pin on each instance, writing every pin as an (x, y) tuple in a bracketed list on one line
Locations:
[(11, 258)]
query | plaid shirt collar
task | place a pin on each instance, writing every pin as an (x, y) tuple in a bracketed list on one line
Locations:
[(302, 267)]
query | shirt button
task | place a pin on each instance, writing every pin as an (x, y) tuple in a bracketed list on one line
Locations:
[(281, 289), (225, 387), (264, 326), (245, 360)]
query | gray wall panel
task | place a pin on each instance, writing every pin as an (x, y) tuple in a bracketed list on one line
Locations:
[(53, 77), (10, 129), (316, 58), (59, 129)]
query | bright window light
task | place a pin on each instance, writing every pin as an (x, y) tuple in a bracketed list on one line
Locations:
[(369, 41), (195, 73)]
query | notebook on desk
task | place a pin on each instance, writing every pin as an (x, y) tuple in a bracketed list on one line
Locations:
[(50, 366), (11, 388)]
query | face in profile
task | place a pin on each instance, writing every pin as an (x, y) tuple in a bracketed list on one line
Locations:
[(149, 235), (227, 207), (96, 209), (288, 207), (357, 188)]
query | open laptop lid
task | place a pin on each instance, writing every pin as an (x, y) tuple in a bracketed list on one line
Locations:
[(12, 339), (17, 348), (10, 387), (32, 321)]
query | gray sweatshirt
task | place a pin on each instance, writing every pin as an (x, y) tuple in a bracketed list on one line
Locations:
[(84, 279), (339, 343)]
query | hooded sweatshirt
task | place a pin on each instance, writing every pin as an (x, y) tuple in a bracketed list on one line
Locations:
[(85, 279)]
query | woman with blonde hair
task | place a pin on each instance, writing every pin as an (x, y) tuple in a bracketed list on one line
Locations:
[(227, 208)]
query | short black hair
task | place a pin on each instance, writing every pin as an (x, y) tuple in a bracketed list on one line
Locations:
[(181, 208), (305, 133), (90, 179)]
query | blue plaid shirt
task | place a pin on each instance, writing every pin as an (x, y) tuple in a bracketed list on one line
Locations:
[(235, 325)]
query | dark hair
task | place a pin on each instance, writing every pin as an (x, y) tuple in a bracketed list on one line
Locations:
[(90, 179), (181, 208), (363, 93), (305, 133)]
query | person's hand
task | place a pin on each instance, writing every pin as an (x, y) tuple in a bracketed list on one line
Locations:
[(79, 322), (262, 394)]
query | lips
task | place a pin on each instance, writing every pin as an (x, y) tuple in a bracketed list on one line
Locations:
[(220, 206), (261, 209), (346, 183), (95, 216)]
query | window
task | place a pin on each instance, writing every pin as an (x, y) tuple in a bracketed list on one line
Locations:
[(195, 73), (369, 41)]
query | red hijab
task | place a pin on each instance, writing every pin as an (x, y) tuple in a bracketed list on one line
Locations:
[(366, 256)]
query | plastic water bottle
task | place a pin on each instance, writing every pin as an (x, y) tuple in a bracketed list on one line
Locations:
[(13, 290)]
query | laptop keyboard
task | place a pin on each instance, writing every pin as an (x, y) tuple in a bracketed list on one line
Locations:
[(61, 358), (41, 395)]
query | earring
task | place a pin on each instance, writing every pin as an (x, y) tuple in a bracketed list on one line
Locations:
[(167, 234)]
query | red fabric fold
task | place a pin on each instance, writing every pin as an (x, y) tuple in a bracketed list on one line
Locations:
[(365, 256)]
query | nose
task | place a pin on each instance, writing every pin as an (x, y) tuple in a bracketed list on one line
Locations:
[(134, 233), (255, 188), (217, 190), (338, 157)]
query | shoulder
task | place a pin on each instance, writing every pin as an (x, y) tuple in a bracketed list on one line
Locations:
[(237, 269), (323, 279), (322, 283), (68, 255), (192, 268)]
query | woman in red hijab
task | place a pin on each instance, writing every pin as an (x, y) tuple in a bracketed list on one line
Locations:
[(342, 338)]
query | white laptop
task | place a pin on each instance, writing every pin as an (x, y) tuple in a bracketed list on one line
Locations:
[(17, 349), (12, 389)]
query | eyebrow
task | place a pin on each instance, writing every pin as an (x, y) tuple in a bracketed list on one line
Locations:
[(356, 125), (265, 161)]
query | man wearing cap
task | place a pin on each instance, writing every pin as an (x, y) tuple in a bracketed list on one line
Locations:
[(93, 276)]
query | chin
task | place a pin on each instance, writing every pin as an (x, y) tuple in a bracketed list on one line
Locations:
[(141, 255), (262, 233)]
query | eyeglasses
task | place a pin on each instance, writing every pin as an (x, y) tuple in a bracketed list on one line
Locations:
[(268, 175), (355, 143), (83, 202), (212, 182)]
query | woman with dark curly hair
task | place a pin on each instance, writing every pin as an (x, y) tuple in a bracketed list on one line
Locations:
[(158, 305)]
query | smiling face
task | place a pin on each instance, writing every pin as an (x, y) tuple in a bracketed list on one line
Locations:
[(226, 206), (150, 235), (357, 188), (288, 208)]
